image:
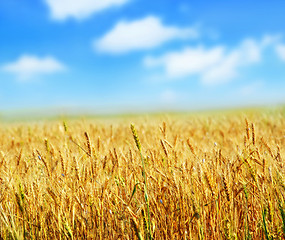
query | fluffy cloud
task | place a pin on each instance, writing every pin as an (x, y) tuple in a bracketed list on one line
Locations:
[(79, 9), (249, 52), (188, 61), (145, 33), (27, 66), (280, 50), (213, 65)]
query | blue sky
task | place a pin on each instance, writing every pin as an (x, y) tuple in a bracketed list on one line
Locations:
[(133, 55)]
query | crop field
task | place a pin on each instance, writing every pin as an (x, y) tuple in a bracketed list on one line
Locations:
[(204, 176)]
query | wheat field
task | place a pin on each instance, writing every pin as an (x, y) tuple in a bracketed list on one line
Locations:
[(207, 176)]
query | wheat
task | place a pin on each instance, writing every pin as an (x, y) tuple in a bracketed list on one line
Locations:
[(164, 148), (136, 138), (191, 147), (54, 184), (226, 188), (41, 158), (62, 163), (88, 143), (247, 129), (209, 183), (253, 134)]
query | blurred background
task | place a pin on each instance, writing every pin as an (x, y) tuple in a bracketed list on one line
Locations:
[(133, 56)]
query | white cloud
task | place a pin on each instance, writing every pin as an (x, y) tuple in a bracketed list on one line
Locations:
[(280, 50), (28, 66), (145, 33), (249, 52), (188, 61), (79, 9), (212, 65), (269, 40)]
